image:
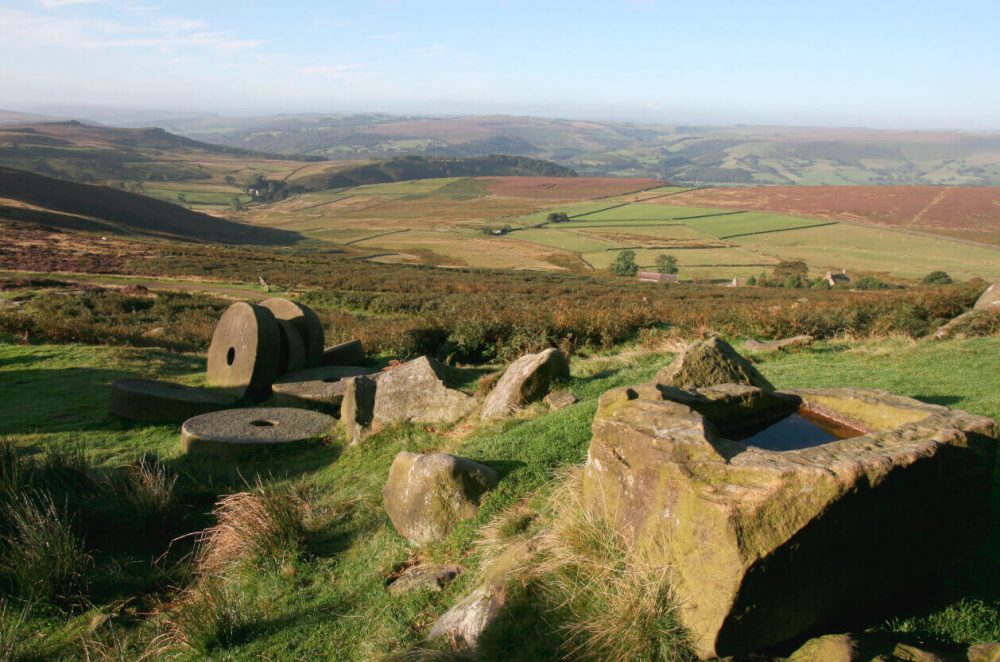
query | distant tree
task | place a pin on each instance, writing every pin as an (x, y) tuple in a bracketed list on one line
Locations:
[(937, 278), (788, 268), (751, 281), (181, 197), (666, 264), (793, 281), (236, 204), (625, 264), (230, 180), (557, 217)]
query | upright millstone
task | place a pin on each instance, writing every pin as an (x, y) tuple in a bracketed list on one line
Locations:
[(292, 352), (306, 321), (243, 357)]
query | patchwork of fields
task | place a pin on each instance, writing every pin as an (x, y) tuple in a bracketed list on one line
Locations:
[(495, 222)]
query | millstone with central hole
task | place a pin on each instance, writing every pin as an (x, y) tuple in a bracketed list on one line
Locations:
[(151, 401), (292, 353), (244, 354), (247, 430), (324, 386), (306, 321)]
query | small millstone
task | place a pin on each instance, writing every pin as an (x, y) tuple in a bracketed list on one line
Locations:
[(323, 386), (292, 354)]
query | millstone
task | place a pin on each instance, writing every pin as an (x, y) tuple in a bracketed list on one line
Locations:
[(305, 320), (324, 386), (253, 429), (151, 401), (292, 353), (243, 356), (351, 352)]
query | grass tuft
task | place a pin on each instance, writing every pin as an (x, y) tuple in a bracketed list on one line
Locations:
[(217, 613), (43, 559), (265, 524), (145, 489), (15, 631)]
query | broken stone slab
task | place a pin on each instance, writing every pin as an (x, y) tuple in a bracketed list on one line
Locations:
[(357, 409), (427, 495), (151, 401), (351, 352), (415, 392), (557, 400), (710, 362), (424, 578), (465, 622), (990, 299), (755, 345), (252, 429), (526, 380), (305, 320), (766, 545), (243, 356), (323, 386), (292, 349)]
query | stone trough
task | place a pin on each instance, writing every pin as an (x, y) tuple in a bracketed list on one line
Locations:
[(836, 504)]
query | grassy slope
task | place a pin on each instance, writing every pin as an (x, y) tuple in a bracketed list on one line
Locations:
[(332, 603)]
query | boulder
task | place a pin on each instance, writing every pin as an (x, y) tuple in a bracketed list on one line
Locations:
[(426, 495), (243, 356), (754, 345), (324, 386), (766, 545), (247, 431), (358, 407), (526, 380), (415, 392), (882, 647), (424, 578), (151, 401), (971, 324), (560, 400), (707, 363), (990, 299), (351, 352)]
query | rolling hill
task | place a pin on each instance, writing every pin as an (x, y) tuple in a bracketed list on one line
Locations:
[(26, 196), (697, 155)]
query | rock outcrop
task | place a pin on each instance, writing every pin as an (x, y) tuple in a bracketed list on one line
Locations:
[(887, 647), (415, 392), (765, 545), (990, 299), (557, 400), (526, 380), (426, 495), (707, 363)]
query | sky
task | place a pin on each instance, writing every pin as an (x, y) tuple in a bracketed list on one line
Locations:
[(878, 63)]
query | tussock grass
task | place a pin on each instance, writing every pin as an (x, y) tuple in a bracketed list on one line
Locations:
[(15, 630), (144, 489), (265, 524), (43, 559), (217, 613), (610, 600)]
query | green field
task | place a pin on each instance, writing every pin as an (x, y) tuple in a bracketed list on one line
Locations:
[(725, 226)]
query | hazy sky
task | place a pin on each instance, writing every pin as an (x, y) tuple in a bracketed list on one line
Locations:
[(877, 63)]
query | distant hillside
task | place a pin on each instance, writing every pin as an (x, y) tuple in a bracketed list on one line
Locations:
[(694, 155), (408, 168), (27, 196), (99, 154)]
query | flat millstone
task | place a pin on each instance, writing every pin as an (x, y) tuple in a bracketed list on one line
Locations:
[(243, 356), (324, 385), (255, 427), (151, 401), (306, 321)]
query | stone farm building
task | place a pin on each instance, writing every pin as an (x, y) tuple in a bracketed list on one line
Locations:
[(655, 277)]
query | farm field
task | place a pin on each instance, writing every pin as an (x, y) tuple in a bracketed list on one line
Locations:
[(961, 212), (445, 222)]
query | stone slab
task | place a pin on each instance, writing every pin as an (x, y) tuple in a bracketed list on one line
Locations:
[(151, 401)]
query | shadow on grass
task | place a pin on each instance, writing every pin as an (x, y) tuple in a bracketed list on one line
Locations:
[(946, 400)]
